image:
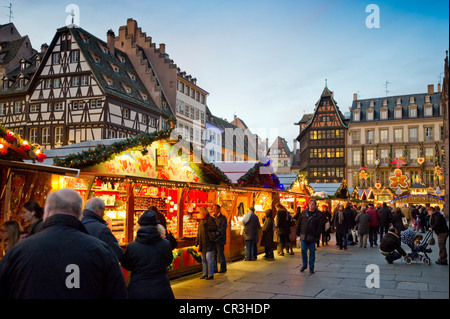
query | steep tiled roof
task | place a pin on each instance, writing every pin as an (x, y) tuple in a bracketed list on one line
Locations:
[(9, 49), (27, 74), (104, 68)]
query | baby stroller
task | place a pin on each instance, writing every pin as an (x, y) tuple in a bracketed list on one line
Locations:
[(418, 251)]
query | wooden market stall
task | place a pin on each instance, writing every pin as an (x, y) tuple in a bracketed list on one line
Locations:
[(134, 174), (419, 194), (21, 181)]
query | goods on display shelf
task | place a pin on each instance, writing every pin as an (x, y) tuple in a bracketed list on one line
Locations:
[(114, 195)]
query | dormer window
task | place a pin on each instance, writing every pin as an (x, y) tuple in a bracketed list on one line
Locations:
[(399, 101), (356, 116), (122, 59), (95, 57), (372, 103), (143, 95), (384, 114), (413, 112), (411, 100), (398, 113), (127, 88), (22, 65), (358, 105), (369, 115), (132, 76), (427, 99), (428, 111), (385, 102)]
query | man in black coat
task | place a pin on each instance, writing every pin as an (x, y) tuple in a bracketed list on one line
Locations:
[(94, 210), (439, 226), (251, 233), (219, 252), (385, 220), (283, 229), (62, 261), (391, 246), (309, 227)]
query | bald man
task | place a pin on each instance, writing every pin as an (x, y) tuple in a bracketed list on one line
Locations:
[(62, 261)]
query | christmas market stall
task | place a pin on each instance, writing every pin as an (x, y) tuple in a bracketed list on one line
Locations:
[(134, 174), (22, 181), (418, 194)]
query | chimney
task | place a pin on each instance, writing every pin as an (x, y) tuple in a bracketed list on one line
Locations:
[(44, 48), (295, 146), (430, 88), (355, 96), (110, 40), (439, 87)]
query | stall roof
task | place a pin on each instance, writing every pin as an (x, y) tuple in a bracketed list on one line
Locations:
[(234, 170), (64, 151), (73, 172), (287, 179), (329, 188)]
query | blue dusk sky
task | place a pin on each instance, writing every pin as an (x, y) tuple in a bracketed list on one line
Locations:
[(267, 61)]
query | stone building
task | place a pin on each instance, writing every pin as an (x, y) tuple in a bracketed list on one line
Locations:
[(404, 127)]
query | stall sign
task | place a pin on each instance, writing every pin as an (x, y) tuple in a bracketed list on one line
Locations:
[(136, 163)]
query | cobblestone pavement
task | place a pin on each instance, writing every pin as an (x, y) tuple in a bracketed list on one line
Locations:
[(339, 274)]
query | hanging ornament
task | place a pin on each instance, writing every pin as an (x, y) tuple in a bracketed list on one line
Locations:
[(420, 160), (378, 185), (3, 150), (398, 179)]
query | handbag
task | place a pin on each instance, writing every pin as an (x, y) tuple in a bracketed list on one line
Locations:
[(172, 240)]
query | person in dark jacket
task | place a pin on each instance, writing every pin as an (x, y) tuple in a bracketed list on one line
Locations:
[(62, 261), (219, 251), (148, 257), (397, 219), (326, 232), (385, 219), (391, 246), (309, 227), (32, 214), (414, 217), (373, 224), (267, 235), (206, 242), (349, 221), (439, 226), (283, 229), (423, 219), (94, 210), (340, 226), (251, 233)]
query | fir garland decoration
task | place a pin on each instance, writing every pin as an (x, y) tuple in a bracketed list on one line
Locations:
[(103, 153), (195, 254)]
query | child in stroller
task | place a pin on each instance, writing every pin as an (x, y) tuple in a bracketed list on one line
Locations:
[(418, 246)]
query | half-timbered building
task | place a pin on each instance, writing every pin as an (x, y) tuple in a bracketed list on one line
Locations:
[(322, 140), (86, 89)]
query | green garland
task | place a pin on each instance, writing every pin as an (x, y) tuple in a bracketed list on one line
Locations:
[(103, 153), (253, 179), (195, 254)]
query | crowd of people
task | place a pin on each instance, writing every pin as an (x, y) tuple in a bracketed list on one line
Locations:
[(74, 248)]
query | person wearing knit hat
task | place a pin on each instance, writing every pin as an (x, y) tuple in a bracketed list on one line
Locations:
[(148, 257)]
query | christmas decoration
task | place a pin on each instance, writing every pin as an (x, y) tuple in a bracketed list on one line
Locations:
[(398, 179)]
